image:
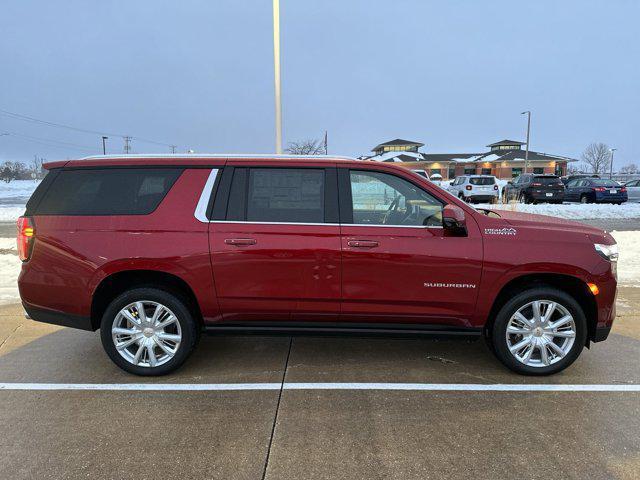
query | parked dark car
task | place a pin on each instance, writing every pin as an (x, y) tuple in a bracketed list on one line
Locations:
[(532, 188), (595, 190), (569, 178)]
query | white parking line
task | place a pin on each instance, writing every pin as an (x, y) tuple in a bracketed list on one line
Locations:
[(424, 387)]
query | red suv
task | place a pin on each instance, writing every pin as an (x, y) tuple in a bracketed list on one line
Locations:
[(155, 250)]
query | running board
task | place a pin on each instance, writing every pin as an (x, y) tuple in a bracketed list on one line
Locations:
[(333, 329)]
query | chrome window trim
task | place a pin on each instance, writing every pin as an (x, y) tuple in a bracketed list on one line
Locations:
[(203, 202), (325, 224)]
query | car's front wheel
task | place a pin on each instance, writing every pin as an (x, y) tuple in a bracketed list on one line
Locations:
[(539, 331), (147, 331)]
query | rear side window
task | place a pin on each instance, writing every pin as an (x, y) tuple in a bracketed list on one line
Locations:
[(290, 195), (108, 191), (482, 181)]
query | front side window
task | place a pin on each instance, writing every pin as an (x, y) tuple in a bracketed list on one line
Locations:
[(294, 195), (107, 191), (384, 199)]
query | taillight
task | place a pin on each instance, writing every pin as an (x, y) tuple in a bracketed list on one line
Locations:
[(468, 187), (26, 236), (599, 189), (495, 187), (623, 189)]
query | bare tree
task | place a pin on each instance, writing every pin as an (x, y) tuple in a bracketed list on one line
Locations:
[(597, 156), (631, 168), (572, 170), (305, 147)]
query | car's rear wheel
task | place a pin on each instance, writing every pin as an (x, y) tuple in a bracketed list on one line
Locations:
[(539, 332), (147, 331)]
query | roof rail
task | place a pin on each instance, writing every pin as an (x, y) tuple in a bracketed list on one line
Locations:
[(215, 155)]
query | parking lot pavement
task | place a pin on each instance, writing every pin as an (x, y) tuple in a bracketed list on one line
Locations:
[(317, 433)]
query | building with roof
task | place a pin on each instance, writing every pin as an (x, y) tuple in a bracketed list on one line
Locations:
[(504, 159)]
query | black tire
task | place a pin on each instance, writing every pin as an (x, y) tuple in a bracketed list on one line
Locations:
[(584, 199), (499, 330), (174, 303)]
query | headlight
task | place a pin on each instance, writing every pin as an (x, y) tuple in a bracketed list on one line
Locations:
[(608, 252)]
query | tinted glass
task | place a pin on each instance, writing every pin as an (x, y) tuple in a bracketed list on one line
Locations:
[(286, 195), (383, 199), (604, 183), (482, 181), (109, 191), (547, 180)]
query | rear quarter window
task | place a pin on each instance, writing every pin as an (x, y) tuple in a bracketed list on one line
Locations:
[(108, 191)]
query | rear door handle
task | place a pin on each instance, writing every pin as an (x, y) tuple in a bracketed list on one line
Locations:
[(240, 241), (362, 243)]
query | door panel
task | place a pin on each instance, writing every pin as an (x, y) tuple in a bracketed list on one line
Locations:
[(398, 266), (275, 243), (411, 275), (276, 272)]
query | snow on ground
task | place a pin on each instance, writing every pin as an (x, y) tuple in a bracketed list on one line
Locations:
[(573, 210), (10, 213), (17, 188), (9, 270), (629, 262), (8, 244)]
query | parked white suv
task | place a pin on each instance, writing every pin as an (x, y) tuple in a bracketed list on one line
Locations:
[(475, 188)]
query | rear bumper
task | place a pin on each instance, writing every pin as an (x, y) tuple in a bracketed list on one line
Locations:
[(58, 318), (482, 198), (611, 199), (555, 196)]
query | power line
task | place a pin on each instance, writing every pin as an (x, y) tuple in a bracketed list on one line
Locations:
[(27, 118), (50, 142)]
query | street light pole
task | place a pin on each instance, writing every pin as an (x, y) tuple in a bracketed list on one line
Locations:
[(611, 166), (104, 145), (276, 69), (526, 153)]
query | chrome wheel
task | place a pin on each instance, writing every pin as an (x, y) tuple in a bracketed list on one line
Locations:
[(540, 333), (146, 333)]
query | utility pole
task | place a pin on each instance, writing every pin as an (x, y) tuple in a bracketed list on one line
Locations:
[(173, 149), (611, 166), (276, 70), (127, 144), (104, 145), (326, 150), (526, 153)]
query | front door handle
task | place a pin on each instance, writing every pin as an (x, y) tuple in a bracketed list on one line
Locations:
[(240, 241), (362, 243)]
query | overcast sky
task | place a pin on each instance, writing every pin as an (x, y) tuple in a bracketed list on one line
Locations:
[(454, 75)]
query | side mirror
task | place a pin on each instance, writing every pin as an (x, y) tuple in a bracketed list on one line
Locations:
[(509, 182), (454, 221)]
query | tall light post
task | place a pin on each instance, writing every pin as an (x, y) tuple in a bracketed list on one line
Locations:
[(104, 145), (526, 153), (611, 166), (276, 69)]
